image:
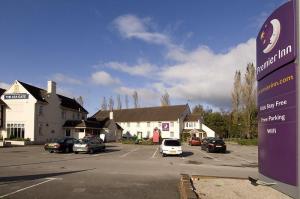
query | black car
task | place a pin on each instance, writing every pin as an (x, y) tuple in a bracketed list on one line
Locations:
[(62, 145), (212, 145)]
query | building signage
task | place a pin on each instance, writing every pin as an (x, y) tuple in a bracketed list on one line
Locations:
[(276, 41), (277, 125), (16, 96), (277, 99), (165, 126)]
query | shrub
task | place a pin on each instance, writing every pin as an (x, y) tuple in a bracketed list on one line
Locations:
[(248, 142), (185, 137)]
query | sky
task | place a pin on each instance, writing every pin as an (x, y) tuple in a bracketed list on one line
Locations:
[(95, 49)]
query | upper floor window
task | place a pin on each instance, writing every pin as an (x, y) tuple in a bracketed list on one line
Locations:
[(187, 124), (148, 124), (138, 124), (63, 115), (172, 124), (159, 124), (41, 110), (73, 116), (128, 124)]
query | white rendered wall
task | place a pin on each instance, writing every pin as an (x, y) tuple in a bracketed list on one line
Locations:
[(20, 111)]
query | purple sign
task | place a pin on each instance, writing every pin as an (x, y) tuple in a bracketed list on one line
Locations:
[(276, 41), (277, 125), (165, 126)]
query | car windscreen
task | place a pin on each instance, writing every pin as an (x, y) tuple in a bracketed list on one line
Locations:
[(218, 142), (172, 143), (83, 141)]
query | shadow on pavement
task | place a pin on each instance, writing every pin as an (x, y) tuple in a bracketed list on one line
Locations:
[(13, 179), (187, 153)]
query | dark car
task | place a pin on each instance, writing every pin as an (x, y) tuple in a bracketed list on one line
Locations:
[(62, 145), (89, 145), (212, 145)]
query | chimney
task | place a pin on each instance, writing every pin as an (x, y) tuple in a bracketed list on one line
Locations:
[(51, 87), (111, 115)]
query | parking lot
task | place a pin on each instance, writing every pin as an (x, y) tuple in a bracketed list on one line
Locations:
[(123, 171)]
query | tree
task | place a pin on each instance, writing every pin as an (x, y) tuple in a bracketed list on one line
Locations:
[(111, 103), (249, 100), (126, 101), (236, 105), (104, 104), (80, 100), (165, 99), (119, 103), (135, 97)]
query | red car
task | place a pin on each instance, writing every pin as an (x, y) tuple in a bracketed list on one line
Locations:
[(195, 141)]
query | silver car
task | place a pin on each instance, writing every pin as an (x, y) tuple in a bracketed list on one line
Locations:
[(89, 145)]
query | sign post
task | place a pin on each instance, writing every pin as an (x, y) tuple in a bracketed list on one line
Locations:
[(278, 100)]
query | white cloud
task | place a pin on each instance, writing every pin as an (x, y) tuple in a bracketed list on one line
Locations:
[(206, 76), (4, 85), (131, 26), (200, 75), (103, 78), (142, 68), (58, 77)]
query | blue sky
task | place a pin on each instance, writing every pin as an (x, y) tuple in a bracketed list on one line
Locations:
[(104, 48)]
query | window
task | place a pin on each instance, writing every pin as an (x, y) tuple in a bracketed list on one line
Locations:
[(41, 110), (40, 129), (187, 124), (128, 124), (1, 116), (15, 130), (148, 134), (171, 134), (148, 124), (159, 124), (73, 116), (78, 116), (81, 130), (68, 132), (63, 115), (172, 124), (138, 124)]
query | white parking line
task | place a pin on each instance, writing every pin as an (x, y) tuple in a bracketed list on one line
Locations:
[(23, 189), (126, 154), (154, 154)]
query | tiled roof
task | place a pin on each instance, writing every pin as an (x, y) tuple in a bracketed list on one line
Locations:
[(162, 113), (192, 118), (40, 95), (90, 123)]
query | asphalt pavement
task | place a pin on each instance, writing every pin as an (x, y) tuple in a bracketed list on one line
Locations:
[(123, 171)]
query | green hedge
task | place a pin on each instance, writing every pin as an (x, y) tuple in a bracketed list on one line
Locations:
[(247, 142)]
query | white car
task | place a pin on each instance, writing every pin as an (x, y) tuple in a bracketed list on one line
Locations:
[(170, 147)]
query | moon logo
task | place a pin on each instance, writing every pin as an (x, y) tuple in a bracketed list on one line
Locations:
[(270, 35)]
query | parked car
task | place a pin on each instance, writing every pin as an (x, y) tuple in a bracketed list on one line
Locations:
[(214, 145), (170, 147), (89, 145), (195, 141), (61, 145), (204, 141)]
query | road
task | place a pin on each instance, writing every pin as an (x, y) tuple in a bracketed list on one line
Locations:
[(123, 171)]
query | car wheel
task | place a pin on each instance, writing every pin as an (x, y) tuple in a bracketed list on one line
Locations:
[(91, 151), (164, 155), (51, 151), (207, 150), (76, 152), (67, 150)]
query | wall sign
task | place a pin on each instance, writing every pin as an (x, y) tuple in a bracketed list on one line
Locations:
[(165, 126), (16, 96)]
